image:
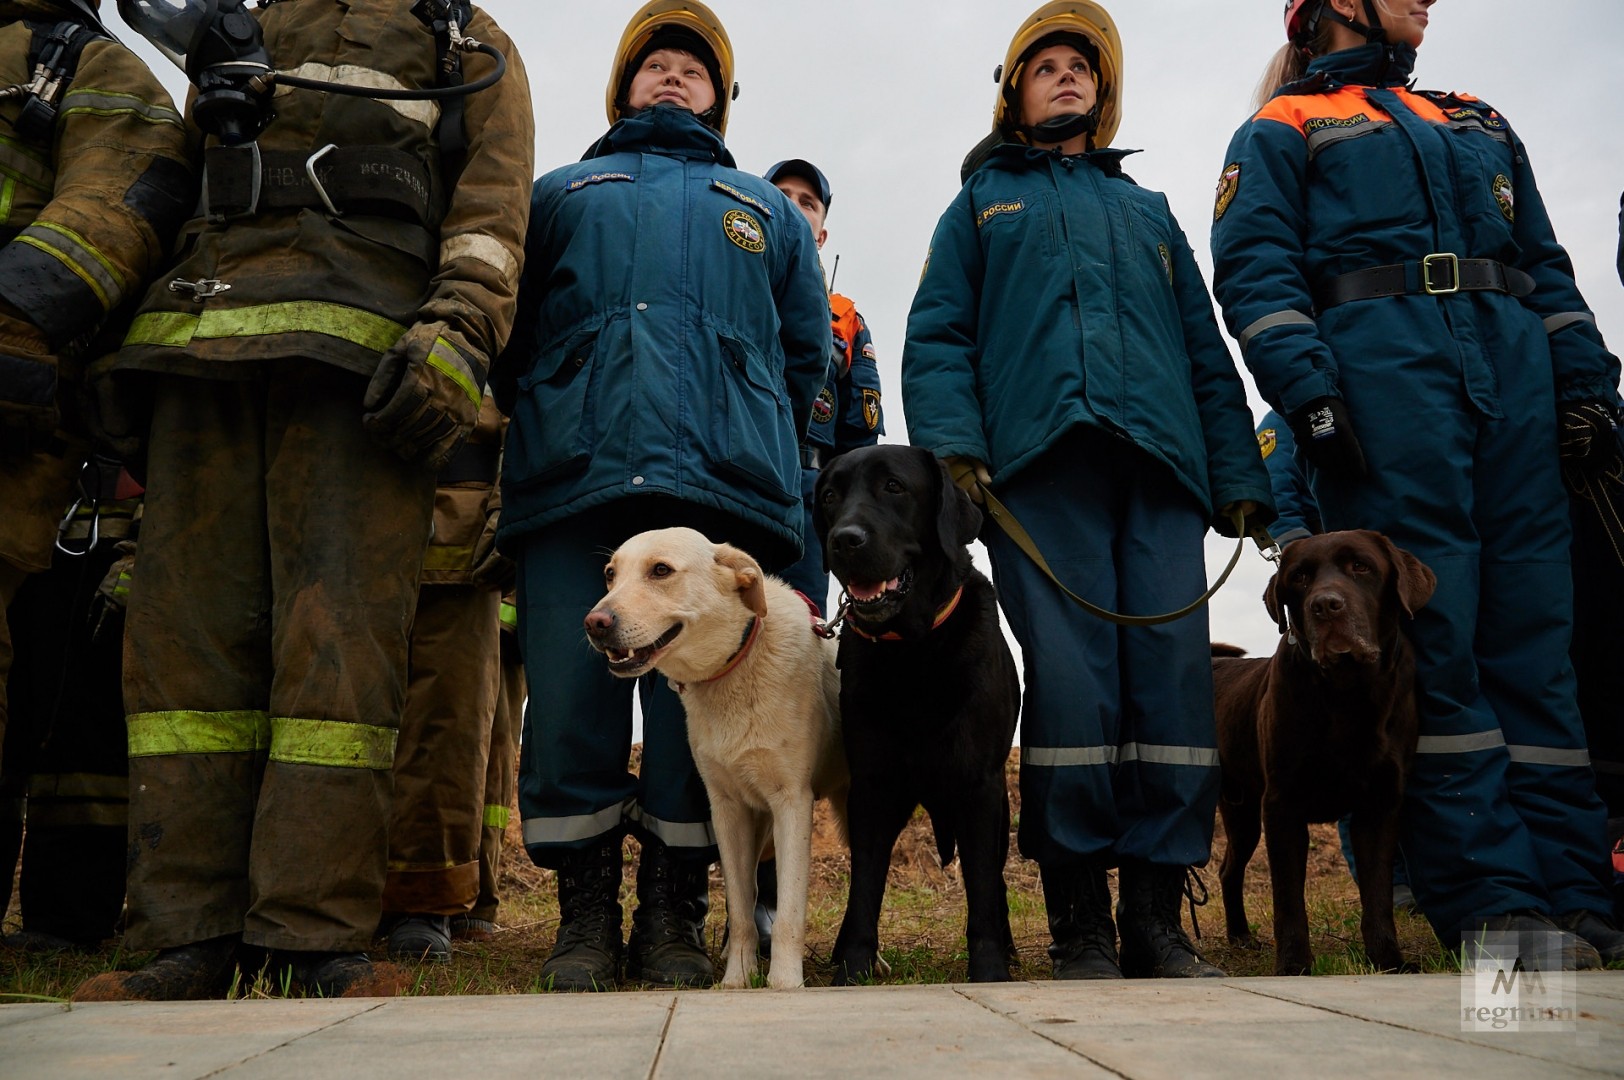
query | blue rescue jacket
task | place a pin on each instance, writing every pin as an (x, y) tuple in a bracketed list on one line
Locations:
[(1057, 294), (673, 332), (1293, 500), (1347, 170), (848, 412)]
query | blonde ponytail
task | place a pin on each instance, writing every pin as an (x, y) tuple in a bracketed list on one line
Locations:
[(1287, 65)]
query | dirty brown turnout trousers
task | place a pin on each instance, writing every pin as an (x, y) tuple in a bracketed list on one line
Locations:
[(265, 660), (435, 825)]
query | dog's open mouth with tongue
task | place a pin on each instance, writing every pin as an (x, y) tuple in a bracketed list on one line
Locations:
[(877, 601)]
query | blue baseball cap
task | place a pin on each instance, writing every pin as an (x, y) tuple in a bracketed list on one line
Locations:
[(806, 171)]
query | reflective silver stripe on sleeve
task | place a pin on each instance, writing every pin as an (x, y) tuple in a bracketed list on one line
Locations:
[(426, 113), (682, 834), (1200, 756), (1052, 757), (565, 830), (1548, 755), (1279, 318), (1553, 323), (1460, 744), (485, 249)]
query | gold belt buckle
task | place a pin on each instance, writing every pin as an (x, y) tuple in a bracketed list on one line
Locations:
[(1441, 258)]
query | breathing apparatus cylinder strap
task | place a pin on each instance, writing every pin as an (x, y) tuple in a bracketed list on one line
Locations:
[(377, 180)]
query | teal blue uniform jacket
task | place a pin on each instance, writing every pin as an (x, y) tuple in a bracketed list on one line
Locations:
[(1058, 294), (673, 332)]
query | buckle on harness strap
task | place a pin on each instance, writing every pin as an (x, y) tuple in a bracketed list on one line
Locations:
[(1450, 262), (315, 182)]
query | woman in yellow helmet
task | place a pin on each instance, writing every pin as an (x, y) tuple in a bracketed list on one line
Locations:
[(1062, 350), (673, 333)]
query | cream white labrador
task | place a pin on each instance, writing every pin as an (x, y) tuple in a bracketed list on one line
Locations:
[(763, 703)]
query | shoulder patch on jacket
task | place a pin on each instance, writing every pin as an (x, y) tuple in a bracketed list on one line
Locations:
[(1267, 440), (1504, 195), (1229, 182), (598, 178), (871, 407), (1014, 206), (742, 196)]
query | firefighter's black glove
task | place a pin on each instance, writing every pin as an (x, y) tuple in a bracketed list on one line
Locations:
[(424, 398), (1325, 436), (1586, 434)]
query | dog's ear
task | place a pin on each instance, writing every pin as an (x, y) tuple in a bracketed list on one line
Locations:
[(958, 519), (747, 576), (1271, 601), (1413, 580)]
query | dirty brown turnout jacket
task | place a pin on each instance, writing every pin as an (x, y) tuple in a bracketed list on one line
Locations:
[(86, 215), (420, 239)]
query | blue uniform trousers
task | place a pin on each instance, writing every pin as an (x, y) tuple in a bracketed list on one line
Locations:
[(1501, 812), (574, 785), (1119, 754)]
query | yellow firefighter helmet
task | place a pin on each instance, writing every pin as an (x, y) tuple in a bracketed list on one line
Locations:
[(1089, 21), (689, 15)]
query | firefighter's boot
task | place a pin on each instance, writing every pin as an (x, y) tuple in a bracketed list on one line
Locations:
[(1078, 900), (667, 942), (1154, 945), (587, 954), (195, 972)]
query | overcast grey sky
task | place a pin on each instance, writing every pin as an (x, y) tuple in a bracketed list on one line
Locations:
[(887, 95)]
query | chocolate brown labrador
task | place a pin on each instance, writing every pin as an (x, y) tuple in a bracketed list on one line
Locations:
[(1324, 727)]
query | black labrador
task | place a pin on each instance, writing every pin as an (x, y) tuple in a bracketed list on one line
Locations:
[(928, 691)]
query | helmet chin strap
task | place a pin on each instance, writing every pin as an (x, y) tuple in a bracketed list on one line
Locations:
[(1373, 32), (1057, 129)]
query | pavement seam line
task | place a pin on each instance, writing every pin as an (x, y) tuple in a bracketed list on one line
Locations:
[(1046, 1038), (302, 1035), (665, 1029), (1418, 1031)]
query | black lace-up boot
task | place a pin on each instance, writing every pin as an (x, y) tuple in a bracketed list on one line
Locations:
[(588, 951), (1078, 899), (667, 945), (1154, 945)]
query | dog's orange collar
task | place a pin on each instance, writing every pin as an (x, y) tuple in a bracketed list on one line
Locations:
[(942, 616), (750, 635)]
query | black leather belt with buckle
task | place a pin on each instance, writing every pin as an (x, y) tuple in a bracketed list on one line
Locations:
[(1439, 274)]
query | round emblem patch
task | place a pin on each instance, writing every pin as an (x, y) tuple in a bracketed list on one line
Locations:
[(744, 231), (1267, 441), (823, 409), (1504, 196), (1229, 182)]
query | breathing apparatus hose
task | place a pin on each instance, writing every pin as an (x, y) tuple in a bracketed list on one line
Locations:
[(433, 93)]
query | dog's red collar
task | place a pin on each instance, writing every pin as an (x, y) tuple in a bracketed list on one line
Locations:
[(942, 615), (751, 632)]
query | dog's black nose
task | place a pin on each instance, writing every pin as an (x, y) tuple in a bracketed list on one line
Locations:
[(847, 538), (599, 622), (1326, 605)]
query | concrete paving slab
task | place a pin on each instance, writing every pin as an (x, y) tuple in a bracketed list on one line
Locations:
[(159, 1039), (603, 1036), (1413, 1003), (892, 1031), (1168, 1029), (22, 1013)]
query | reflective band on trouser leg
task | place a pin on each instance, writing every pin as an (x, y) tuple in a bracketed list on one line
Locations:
[(575, 829), (496, 817), (296, 741), (67, 799)]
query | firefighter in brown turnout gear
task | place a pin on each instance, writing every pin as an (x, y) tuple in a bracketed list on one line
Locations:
[(94, 181), (436, 828), (315, 355)]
